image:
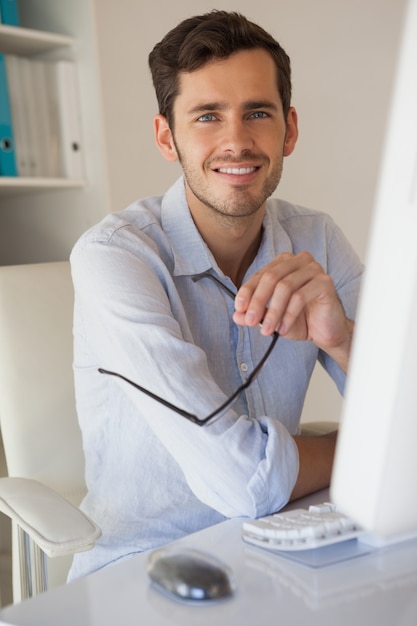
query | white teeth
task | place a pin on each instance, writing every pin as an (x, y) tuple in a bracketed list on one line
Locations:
[(240, 171)]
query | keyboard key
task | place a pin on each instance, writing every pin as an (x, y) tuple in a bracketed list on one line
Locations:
[(301, 529)]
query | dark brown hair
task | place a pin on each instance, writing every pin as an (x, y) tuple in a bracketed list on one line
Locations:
[(215, 35)]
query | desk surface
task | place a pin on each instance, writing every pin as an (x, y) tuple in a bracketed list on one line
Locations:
[(379, 589)]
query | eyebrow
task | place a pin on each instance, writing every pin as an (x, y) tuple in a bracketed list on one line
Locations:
[(249, 105), (260, 104)]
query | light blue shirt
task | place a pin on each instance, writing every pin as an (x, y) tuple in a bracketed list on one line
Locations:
[(152, 475)]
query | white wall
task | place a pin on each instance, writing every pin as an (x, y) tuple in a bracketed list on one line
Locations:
[(343, 56)]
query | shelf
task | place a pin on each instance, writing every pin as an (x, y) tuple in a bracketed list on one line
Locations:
[(17, 185), (16, 40)]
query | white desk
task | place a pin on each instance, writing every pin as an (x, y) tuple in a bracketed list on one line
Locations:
[(379, 589)]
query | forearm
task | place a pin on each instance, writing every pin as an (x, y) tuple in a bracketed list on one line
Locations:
[(315, 463)]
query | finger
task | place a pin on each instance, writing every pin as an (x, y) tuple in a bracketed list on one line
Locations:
[(253, 297), (290, 297), (315, 295)]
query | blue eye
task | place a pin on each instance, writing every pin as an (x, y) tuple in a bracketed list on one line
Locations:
[(258, 114), (207, 117)]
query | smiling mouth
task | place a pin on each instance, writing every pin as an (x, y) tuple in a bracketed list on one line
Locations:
[(237, 171)]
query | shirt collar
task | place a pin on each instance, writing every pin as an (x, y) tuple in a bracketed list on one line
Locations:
[(191, 254)]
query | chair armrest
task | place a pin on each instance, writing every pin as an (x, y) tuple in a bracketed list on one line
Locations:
[(54, 524), (316, 429)]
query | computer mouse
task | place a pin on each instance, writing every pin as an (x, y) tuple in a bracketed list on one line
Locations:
[(189, 574)]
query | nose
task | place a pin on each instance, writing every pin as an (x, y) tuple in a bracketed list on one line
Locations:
[(237, 137)]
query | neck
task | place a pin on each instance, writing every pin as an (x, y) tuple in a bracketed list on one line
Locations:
[(236, 267), (234, 245), (233, 239)]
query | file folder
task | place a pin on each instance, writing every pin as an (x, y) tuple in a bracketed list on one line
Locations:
[(18, 102), (7, 151), (69, 119), (9, 12)]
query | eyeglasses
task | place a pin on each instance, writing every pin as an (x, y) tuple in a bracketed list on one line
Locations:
[(190, 416)]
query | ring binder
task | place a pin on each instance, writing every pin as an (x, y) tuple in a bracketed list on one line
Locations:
[(7, 151)]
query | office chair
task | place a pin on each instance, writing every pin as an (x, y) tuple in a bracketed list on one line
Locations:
[(41, 438)]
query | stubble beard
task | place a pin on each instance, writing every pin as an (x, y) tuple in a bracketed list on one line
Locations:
[(239, 205)]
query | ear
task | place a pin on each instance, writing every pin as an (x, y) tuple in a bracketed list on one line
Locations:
[(164, 139), (291, 134)]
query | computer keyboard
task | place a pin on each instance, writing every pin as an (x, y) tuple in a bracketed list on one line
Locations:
[(301, 529)]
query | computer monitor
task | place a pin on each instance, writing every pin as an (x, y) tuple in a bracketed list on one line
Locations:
[(375, 472)]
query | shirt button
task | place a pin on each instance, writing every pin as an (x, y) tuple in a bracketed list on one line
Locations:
[(244, 367)]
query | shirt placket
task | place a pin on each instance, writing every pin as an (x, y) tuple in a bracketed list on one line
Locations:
[(246, 364)]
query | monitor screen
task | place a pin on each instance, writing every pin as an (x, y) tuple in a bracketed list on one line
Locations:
[(375, 471)]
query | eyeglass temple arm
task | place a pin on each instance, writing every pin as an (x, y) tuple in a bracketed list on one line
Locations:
[(189, 416), (218, 282), (248, 381)]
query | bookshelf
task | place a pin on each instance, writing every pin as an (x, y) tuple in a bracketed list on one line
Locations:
[(40, 44), (17, 185), (28, 41), (42, 217)]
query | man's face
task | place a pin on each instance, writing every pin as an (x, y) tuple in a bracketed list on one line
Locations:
[(230, 134)]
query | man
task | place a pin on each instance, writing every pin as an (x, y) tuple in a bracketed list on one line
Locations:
[(170, 293)]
